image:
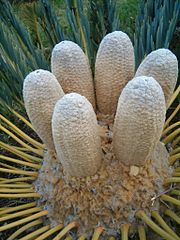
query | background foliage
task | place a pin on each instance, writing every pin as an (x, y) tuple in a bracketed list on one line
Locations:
[(30, 29)]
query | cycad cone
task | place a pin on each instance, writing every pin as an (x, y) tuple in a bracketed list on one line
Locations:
[(41, 91), (98, 178), (70, 66), (73, 123), (163, 66), (114, 67)]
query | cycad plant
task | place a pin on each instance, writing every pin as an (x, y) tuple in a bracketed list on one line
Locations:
[(26, 155), (23, 156)]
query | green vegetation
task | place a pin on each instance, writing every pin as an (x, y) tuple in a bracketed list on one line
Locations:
[(155, 26), (18, 56), (26, 40), (45, 23), (127, 10), (127, 13)]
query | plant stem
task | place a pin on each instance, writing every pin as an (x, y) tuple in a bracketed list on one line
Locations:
[(17, 180), (14, 209), (36, 233), (170, 128), (174, 151), (21, 133), (21, 162), (175, 192), (175, 94), (175, 142), (172, 180), (24, 228), (171, 214), (19, 214), (19, 153), (98, 231), (15, 185), (141, 214), (65, 230), (82, 237), (172, 116), (21, 172), (141, 232), (50, 232), (163, 224), (22, 119), (172, 200), (124, 231), (21, 195), (173, 158), (24, 220)]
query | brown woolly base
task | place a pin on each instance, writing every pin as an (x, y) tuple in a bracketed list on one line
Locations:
[(109, 198)]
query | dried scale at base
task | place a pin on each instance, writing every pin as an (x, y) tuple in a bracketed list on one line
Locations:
[(110, 197), (78, 183)]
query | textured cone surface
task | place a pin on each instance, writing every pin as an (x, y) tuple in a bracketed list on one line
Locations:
[(41, 91), (75, 133), (162, 65), (139, 120), (114, 67), (70, 66)]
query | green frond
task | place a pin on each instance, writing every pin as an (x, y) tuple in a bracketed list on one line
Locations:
[(27, 13), (103, 19), (89, 26), (18, 56), (23, 38), (155, 25), (78, 22), (49, 23)]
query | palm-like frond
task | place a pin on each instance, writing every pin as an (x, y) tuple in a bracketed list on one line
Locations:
[(106, 12), (103, 18), (49, 23), (155, 25), (18, 56), (27, 13), (90, 25), (24, 39), (79, 24)]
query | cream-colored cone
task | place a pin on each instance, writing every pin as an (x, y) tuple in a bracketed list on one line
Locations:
[(41, 91), (71, 67), (75, 133), (114, 67), (139, 120), (162, 65)]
